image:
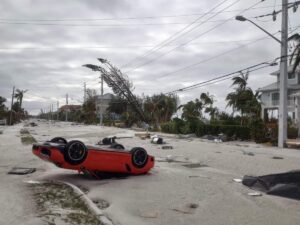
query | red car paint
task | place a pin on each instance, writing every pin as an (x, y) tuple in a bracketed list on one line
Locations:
[(97, 159)]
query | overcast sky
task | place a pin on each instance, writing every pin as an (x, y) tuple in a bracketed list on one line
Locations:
[(43, 45)]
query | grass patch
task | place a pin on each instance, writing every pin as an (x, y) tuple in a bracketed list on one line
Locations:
[(24, 131), (28, 140), (59, 204), (26, 137)]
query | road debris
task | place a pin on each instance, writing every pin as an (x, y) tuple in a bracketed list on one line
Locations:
[(277, 157), (255, 194), (21, 170), (248, 153), (167, 147), (186, 209), (155, 139), (142, 135), (282, 184), (149, 214), (194, 165), (237, 180), (32, 182)]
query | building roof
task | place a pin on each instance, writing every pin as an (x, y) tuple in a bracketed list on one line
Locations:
[(107, 96), (290, 69), (70, 107), (275, 86)]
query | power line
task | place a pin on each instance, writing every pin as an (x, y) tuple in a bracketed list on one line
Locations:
[(130, 18), (214, 57), (293, 5), (225, 78), (181, 45), (129, 46), (222, 76), (180, 33), (221, 54), (107, 25), (174, 36), (118, 47)]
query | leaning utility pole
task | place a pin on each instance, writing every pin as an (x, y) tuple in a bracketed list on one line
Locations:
[(67, 107), (282, 117), (12, 103)]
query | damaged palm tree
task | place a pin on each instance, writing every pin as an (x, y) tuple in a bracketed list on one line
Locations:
[(119, 83)]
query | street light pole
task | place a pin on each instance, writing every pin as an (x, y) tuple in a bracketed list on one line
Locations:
[(282, 117), (282, 114)]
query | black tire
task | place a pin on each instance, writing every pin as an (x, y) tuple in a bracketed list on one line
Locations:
[(59, 140), (75, 152), (117, 146), (139, 157)]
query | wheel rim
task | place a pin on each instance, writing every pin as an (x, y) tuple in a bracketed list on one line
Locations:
[(76, 151), (140, 157)]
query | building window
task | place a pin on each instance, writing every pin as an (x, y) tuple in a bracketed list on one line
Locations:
[(291, 76), (275, 98)]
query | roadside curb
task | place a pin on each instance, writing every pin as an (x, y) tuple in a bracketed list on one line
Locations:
[(91, 205)]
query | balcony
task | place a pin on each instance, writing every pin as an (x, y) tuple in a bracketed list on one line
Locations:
[(290, 102)]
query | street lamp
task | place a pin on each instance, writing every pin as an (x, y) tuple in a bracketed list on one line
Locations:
[(242, 19), (282, 116)]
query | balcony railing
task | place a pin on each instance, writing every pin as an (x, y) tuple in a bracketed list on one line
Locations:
[(290, 102)]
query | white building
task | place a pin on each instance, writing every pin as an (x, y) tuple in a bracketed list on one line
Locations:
[(270, 96)]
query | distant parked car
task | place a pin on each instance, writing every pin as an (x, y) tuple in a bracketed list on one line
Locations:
[(75, 155)]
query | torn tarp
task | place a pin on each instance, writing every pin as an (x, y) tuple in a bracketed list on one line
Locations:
[(282, 184)]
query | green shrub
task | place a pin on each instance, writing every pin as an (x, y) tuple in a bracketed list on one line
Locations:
[(292, 132), (169, 127), (259, 131), (240, 132), (185, 129)]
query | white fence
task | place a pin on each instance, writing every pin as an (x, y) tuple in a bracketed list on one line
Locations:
[(3, 122)]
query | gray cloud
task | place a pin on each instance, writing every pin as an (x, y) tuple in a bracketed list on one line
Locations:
[(47, 59)]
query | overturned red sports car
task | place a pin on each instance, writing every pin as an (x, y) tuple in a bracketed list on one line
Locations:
[(75, 155)]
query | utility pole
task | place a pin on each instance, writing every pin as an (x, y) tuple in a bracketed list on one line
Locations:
[(50, 111), (101, 101), (67, 107), (52, 116), (57, 113), (12, 103), (282, 117), (84, 93)]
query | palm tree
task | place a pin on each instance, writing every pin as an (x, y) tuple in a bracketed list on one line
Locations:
[(231, 99), (160, 108), (191, 110), (207, 102), (19, 96), (241, 81), (243, 99), (206, 98)]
